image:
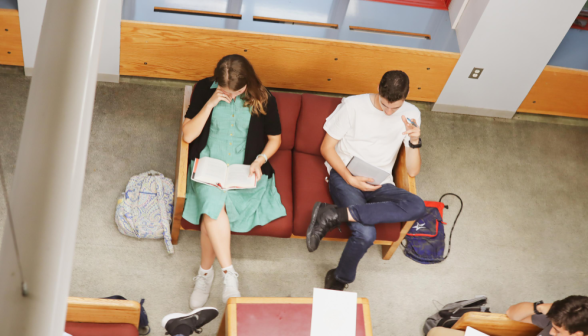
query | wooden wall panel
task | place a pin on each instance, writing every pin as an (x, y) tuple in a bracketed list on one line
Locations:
[(559, 91), (10, 41), (191, 53)]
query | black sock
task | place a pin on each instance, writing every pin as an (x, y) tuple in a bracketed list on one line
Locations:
[(342, 216), (182, 329)]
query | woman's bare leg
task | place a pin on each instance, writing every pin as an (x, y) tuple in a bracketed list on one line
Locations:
[(219, 234), (206, 248)]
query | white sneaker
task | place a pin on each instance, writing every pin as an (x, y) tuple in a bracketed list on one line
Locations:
[(202, 286), (231, 285)]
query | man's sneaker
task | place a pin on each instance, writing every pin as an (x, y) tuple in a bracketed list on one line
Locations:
[(324, 219), (179, 324), (203, 283), (332, 283), (231, 286)]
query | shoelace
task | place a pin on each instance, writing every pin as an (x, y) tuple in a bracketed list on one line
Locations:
[(200, 282)]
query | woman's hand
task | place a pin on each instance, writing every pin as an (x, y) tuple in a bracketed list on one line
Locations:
[(217, 96), (256, 168)]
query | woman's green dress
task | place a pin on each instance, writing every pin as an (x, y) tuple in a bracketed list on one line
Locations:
[(246, 208)]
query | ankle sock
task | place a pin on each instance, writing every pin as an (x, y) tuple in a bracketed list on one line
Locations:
[(342, 215), (182, 329), (204, 272), (227, 269)]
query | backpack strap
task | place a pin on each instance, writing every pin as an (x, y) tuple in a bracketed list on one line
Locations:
[(455, 221)]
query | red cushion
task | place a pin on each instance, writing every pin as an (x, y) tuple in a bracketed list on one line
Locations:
[(281, 227), (100, 329), (310, 187), (289, 109), (309, 131)]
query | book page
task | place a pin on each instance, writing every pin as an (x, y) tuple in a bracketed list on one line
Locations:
[(473, 332), (334, 313), (210, 171), (238, 177)]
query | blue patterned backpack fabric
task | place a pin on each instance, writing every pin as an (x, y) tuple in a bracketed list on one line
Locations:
[(144, 210), (425, 241)]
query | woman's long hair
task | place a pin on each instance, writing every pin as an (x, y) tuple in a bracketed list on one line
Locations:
[(234, 72)]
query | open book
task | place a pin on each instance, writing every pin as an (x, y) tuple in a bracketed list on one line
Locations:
[(217, 173)]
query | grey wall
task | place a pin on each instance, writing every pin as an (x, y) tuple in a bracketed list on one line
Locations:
[(512, 49), (31, 14)]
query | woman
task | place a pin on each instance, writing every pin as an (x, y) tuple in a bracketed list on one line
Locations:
[(234, 118)]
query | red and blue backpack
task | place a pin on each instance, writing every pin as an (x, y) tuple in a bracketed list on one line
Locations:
[(425, 241)]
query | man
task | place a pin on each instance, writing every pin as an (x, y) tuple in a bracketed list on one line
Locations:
[(371, 127), (567, 317)]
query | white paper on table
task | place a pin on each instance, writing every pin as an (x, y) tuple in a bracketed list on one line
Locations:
[(473, 332), (334, 313)]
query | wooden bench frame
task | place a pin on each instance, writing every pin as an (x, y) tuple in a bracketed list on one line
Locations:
[(401, 178), (495, 325), (87, 310)]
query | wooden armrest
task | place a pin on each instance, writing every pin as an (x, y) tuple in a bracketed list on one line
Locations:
[(495, 325), (401, 177), (182, 153), (103, 311)]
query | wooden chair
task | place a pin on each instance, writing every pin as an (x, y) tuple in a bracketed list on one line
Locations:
[(495, 325), (401, 178), (87, 310)]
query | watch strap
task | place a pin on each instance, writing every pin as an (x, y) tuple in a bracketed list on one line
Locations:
[(419, 145), (535, 306)]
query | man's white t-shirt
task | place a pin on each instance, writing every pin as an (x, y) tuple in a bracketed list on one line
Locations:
[(368, 133)]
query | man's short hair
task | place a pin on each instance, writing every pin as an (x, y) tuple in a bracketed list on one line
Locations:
[(394, 85), (570, 313)]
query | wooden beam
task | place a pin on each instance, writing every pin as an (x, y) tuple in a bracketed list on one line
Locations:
[(10, 39), (287, 62), (197, 12), (390, 32), (558, 91), (296, 22), (182, 163), (103, 311)]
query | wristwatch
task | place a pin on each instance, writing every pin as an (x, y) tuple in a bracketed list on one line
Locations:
[(419, 145), (535, 307)]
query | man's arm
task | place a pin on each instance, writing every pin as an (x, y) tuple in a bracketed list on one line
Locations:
[(413, 155), (329, 153), (523, 311)]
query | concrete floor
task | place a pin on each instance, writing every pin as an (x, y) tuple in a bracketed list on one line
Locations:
[(521, 237)]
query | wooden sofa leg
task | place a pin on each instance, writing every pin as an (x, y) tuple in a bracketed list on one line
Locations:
[(177, 220), (388, 250)]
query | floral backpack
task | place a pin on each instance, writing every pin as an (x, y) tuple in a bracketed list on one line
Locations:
[(144, 210)]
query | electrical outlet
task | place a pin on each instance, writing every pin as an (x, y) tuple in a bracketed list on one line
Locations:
[(475, 74)]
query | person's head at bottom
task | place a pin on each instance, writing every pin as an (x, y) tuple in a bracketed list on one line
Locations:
[(569, 316)]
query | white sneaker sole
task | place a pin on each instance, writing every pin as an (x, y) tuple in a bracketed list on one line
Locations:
[(168, 317)]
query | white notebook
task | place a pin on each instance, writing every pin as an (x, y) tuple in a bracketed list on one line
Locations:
[(473, 332), (216, 173), (334, 313), (358, 167)]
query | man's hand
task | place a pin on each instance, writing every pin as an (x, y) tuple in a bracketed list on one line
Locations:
[(414, 132), (360, 183)]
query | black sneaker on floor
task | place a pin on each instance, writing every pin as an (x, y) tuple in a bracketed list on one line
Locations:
[(178, 323), (332, 283), (324, 218)]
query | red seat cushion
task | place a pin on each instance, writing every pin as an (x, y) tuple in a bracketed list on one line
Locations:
[(309, 131), (281, 227), (289, 109), (310, 187), (100, 329)]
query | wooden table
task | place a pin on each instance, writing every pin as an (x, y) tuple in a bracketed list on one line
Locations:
[(280, 316)]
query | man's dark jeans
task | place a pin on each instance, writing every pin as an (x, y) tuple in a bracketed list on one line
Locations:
[(388, 204)]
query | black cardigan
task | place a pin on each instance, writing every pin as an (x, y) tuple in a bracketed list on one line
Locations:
[(259, 127)]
